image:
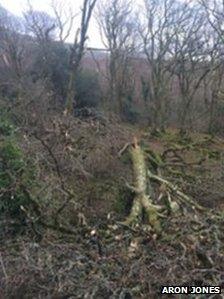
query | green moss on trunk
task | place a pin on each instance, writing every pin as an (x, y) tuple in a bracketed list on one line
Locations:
[(142, 200)]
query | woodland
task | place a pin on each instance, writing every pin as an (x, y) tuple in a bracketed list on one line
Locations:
[(112, 159)]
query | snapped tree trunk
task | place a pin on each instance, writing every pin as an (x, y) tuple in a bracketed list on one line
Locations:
[(142, 201)]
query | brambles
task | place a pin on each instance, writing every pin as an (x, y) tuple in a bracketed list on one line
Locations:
[(6, 128), (16, 175)]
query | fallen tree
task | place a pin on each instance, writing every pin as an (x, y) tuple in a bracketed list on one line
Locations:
[(144, 201)]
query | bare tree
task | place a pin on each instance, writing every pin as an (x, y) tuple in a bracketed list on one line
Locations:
[(77, 51), (157, 28), (190, 55), (40, 24), (215, 15), (118, 33), (41, 27), (64, 17), (214, 97)]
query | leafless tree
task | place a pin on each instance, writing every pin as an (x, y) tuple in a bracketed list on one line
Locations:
[(214, 11), (64, 17), (77, 51), (39, 24), (215, 15), (41, 27), (118, 33), (158, 26), (190, 55)]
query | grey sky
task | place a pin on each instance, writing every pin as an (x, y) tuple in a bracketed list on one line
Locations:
[(18, 6)]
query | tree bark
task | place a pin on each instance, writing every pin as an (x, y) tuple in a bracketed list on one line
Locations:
[(142, 201)]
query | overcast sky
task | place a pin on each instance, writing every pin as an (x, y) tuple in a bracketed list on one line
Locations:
[(18, 6)]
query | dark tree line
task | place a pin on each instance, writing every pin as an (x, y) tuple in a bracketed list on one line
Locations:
[(179, 44)]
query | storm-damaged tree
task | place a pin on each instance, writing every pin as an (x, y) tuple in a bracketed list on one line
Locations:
[(146, 201), (118, 34), (77, 51)]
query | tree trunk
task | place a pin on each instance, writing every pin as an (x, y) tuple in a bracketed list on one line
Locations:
[(142, 200)]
